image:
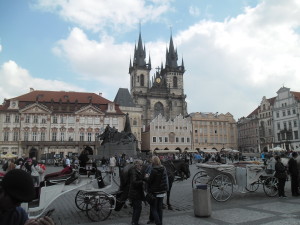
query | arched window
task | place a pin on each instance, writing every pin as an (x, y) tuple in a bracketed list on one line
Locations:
[(175, 82), (158, 109), (142, 79)]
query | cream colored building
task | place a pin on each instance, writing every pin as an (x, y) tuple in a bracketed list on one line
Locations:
[(55, 122), (165, 134), (213, 131)]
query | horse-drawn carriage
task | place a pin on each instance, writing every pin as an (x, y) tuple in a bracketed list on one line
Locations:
[(94, 196), (222, 178)]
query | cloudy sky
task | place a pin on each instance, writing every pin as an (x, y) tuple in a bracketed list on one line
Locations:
[(235, 52)]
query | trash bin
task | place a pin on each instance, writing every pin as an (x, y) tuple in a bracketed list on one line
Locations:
[(202, 202)]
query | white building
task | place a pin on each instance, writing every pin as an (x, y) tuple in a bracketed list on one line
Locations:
[(286, 119), (55, 122)]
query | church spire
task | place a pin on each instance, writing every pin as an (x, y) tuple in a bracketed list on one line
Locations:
[(171, 55), (139, 53)]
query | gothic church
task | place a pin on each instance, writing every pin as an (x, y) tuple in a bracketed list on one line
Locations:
[(163, 93)]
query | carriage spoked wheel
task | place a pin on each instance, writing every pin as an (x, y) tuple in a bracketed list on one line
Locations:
[(99, 207), (200, 178), (252, 187), (221, 188), (271, 186), (82, 199)]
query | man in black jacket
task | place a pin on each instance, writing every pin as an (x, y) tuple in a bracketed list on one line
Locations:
[(136, 191), (293, 170)]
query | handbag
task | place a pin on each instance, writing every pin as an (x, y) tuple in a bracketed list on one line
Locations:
[(150, 198)]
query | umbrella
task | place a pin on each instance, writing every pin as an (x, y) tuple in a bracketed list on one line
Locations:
[(8, 156)]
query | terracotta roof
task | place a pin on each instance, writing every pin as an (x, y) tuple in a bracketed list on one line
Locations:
[(63, 96), (296, 95), (62, 101), (255, 112)]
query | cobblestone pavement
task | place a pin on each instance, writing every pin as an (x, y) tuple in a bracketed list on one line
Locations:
[(241, 208)]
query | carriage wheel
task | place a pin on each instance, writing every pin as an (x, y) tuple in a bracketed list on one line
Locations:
[(200, 178), (99, 208), (271, 186), (221, 188), (82, 199), (252, 187)]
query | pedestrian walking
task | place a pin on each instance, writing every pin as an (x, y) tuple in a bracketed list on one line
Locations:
[(136, 191), (293, 171), (281, 175), (158, 186)]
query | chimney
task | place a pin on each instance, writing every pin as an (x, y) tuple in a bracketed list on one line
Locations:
[(31, 89), (100, 94)]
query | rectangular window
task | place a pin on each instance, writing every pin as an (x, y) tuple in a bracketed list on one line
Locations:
[(89, 136), (27, 119), (44, 120), (16, 136), (284, 125), (294, 111), (54, 119), (71, 119), (153, 139), (97, 120), (177, 139), (277, 114), (283, 113), (295, 123), (90, 120), (7, 118), (26, 135), (196, 131), (43, 135), (17, 118), (278, 137), (188, 140), (34, 135), (71, 136), (82, 120), (166, 139), (290, 124), (296, 134), (6, 136), (106, 121), (289, 112), (96, 136), (182, 139), (35, 119), (115, 121), (81, 137), (278, 126), (160, 139), (63, 119), (62, 136), (54, 136)]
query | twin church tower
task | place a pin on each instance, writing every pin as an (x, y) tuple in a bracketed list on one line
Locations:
[(163, 92)]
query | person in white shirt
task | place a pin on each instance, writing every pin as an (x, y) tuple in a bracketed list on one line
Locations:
[(112, 164)]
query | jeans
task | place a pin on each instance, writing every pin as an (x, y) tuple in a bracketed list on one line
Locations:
[(137, 209), (157, 211)]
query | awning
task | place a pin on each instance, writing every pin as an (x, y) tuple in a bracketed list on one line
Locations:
[(166, 151), (208, 150)]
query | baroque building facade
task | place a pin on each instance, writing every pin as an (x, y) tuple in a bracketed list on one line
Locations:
[(163, 134), (213, 130), (286, 119), (55, 122), (164, 92)]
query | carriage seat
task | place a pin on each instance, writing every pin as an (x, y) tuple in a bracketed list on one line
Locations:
[(66, 175), (88, 169)]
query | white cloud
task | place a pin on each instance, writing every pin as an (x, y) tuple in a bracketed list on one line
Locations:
[(230, 65), (0, 47), (97, 15), (16, 81), (194, 11)]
